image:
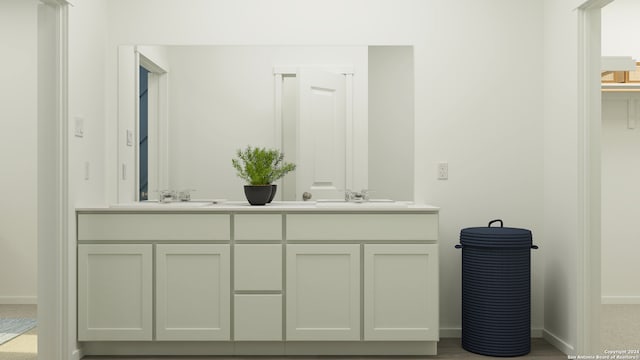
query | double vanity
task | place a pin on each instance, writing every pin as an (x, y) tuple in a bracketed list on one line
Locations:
[(288, 278)]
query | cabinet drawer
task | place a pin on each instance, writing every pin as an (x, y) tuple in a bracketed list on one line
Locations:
[(258, 267), (257, 227), (258, 317), (118, 227), (362, 227)]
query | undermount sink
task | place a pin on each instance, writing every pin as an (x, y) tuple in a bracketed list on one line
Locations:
[(171, 204), (367, 203)]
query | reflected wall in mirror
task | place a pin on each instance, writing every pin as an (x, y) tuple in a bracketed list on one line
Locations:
[(212, 100)]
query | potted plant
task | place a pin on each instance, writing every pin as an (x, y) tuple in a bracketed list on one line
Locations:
[(279, 169), (259, 167)]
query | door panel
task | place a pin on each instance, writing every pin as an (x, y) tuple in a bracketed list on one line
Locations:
[(401, 292), (192, 292), (323, 292), (322, 134), (114, 292)]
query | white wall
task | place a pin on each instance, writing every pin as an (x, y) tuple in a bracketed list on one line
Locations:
[(469, 110), (391, 104), (480, 87), (18, 114), (222, 99), (620, 29), (86, 84), (561, 173), (620, 198), (619, 162)]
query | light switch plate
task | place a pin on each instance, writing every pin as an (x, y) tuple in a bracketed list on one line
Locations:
[(129, 137), (79, 126)]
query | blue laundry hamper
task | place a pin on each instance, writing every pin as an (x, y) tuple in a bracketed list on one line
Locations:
[(496, 290)]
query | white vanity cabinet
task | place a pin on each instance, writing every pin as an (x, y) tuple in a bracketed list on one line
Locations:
[(273, 280), (401, 292), (115, 299), (323, 292), (192, 292)]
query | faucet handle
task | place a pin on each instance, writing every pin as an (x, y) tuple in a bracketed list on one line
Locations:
[(185, 195), (166, 195)]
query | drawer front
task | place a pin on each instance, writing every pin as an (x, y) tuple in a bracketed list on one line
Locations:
[(258, 267), (119, 227), (258, 317), (362, 227), (257, 227)]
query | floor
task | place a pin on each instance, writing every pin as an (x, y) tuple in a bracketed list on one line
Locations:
[(23, 347), (448, 348), (619, 331), (620, 328)]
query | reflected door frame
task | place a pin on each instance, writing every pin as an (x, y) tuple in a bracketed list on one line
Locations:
[(157, 126), (282, 72)]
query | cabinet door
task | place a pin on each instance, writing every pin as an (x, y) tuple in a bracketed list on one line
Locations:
[(323, 292), (401, 292), (192, 292), (114, 292)]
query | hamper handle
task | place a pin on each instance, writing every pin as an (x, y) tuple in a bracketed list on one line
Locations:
[(492, 221)]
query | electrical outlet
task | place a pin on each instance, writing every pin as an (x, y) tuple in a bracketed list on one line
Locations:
[(443, 171), (129, 138)]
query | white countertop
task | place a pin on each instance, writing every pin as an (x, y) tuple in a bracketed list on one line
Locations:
[(276, 206)]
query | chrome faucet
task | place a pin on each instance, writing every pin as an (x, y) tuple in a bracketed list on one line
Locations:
[(185, 195), (167, 196), (356, 196)]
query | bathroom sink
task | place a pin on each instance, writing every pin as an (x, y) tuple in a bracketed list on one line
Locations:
[(292, 203), (339, 203), (159, 205)]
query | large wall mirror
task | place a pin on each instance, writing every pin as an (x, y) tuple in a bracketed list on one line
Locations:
[(192, 107)]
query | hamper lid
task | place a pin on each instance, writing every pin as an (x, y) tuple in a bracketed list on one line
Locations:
[(496, 236)]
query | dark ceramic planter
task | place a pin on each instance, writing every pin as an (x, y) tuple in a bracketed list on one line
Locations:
[(257, 194), (274, 188)]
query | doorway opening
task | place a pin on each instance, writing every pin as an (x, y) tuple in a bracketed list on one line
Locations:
[(151, 128), (143, 144), (620, 298)]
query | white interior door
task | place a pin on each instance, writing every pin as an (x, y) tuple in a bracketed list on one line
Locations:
[(321, 137)]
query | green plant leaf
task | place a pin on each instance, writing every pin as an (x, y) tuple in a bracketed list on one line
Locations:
[(260, 166)]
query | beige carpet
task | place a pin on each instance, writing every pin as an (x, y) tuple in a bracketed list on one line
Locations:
[(23, 347), (620, 327)]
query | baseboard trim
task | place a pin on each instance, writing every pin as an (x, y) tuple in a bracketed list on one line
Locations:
[(457, 332), (253, 348), (76, 354), (620, 300), (18, 300), (558, 342)]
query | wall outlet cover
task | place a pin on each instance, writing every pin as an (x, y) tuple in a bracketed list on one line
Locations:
[(443, 171), (129, 138)]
